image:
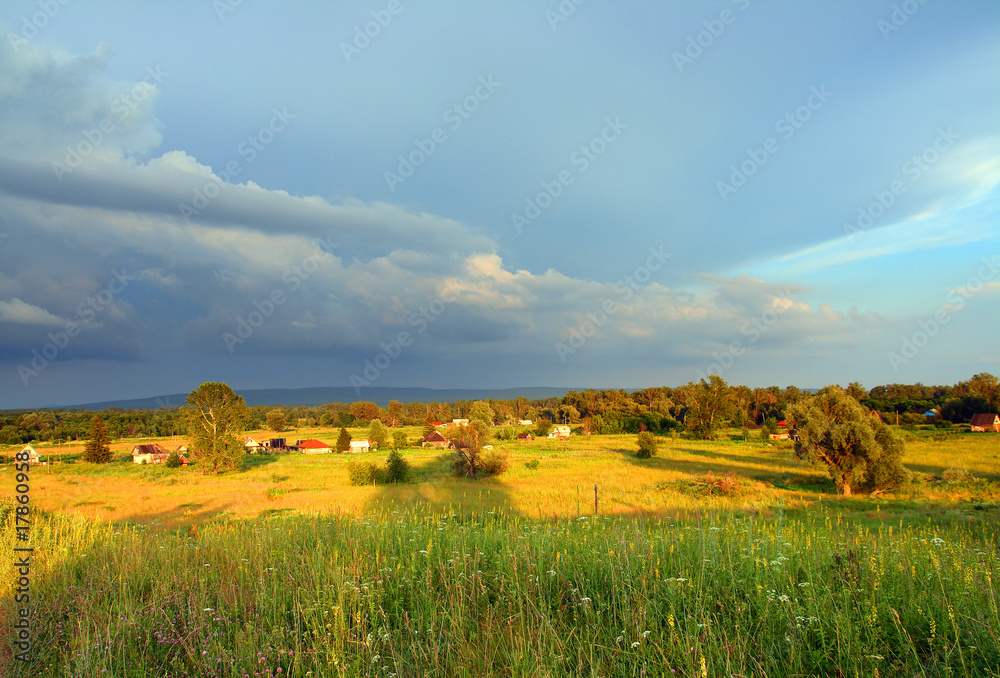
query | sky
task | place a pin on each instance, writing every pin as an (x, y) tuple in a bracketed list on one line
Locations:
[(495, 194)]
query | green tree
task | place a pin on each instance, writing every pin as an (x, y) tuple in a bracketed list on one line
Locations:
[(542, 427), (97, 450), (469, 459), (709, 404), (277, 421), (859, 451), (378, 434), (398, 440), (647, 445), (216, 416), (481, 411), (397, 469), (343, 441), (429, 424)]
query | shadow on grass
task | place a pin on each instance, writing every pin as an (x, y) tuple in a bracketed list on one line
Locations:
[(434, 488), (254, 461)]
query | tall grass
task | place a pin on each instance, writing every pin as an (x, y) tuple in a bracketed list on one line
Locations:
[(442, 593)]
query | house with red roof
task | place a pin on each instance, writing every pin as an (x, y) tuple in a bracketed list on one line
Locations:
[(313, 446)]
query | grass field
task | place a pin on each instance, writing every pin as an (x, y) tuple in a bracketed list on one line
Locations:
[(722, 558)]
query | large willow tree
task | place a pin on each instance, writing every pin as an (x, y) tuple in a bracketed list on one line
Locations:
[(860, 451)]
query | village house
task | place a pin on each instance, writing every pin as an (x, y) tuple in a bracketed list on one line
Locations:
[(313, 446), (560, 431), (34, 459), (986, 422), (525, 422), (435, 439), (359, 446), (460, 422), (152, 453), (252, 446), (525, 436)]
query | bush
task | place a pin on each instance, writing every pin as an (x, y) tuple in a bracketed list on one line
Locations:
[(174, 460), (494, 463), (647, 445), (364, 473), (533, 464), (397, 469), (543, 427), (505, 433)]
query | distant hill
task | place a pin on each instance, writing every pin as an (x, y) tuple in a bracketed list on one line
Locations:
[(321, 395)]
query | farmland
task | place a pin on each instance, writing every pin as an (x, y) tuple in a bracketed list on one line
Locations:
[(714, 558)]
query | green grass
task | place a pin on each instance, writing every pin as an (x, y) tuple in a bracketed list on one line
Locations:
[(438, 594)]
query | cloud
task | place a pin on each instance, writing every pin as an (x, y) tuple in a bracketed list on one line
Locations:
[(17, 311)]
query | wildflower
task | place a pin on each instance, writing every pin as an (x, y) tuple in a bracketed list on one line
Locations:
[(704, 667), (635, 645)]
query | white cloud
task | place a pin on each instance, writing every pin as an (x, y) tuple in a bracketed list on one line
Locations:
[(17, 311)]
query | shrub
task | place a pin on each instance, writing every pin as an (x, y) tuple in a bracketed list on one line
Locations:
[(505, 433), (543, 427), (647, 445), (364, 473), (174, 460), (494, 463), (397, 469), (533, 464)]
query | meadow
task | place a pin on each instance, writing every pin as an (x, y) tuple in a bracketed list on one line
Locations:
[(723, 558)]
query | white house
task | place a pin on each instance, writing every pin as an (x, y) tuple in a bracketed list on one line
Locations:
[(560, 431), (525, 422), (360, 446), (252, 446), (460, 422), (149, 454), (33, 457)]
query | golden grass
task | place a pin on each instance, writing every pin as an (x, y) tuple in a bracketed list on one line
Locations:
[(561, 486)]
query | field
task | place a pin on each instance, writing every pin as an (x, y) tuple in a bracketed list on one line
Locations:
[(724, 558)]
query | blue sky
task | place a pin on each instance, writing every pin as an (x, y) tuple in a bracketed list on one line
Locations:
[(495, 194)]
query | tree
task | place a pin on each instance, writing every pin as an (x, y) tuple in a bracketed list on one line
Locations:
[(769, 428), (858, 450), (277, 421), (98, 451), (216, 416), (542, 428), (394, 413), (343, 441), (647, 445), (856, 391), (429, 425), (481, 411), (709, 405), (365, 411), (378, 434), (397, 469), (398, 440), (468, 441)]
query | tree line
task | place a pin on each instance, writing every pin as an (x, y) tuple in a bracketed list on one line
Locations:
[(700, 407)]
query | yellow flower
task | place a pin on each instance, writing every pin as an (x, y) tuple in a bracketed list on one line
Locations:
[(704, 668)]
